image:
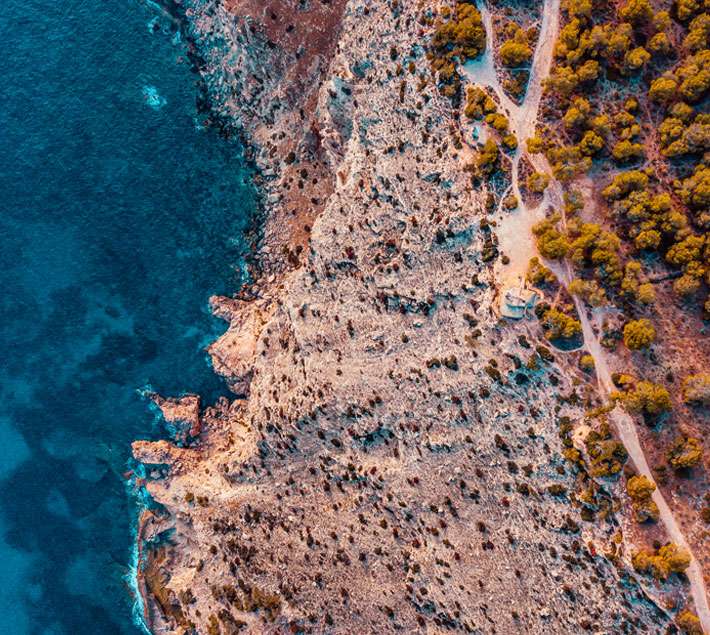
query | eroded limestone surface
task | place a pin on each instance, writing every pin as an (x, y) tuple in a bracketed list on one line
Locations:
[(393, 463)]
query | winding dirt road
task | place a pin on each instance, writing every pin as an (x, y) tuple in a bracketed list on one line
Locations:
[(515, 239)]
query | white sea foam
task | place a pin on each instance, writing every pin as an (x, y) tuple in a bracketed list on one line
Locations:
[(153, 98)]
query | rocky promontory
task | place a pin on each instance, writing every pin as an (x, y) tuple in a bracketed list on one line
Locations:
[(397, 456)]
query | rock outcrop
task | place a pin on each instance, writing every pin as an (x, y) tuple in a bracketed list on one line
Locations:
[(394, 461)]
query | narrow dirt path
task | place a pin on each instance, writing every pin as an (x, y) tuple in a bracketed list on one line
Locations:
[(515, 239)]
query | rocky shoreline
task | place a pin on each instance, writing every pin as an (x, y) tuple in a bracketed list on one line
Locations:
[(394, 459)]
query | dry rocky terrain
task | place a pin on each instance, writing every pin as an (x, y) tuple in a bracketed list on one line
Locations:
[(393, 458)]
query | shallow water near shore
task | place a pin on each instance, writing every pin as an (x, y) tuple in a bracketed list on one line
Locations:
[(121, 215)]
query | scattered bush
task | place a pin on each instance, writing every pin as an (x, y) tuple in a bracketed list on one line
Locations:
[(640, 489), (538, 273), (696, 389), (607, 454), (668, 559), (537, 182)]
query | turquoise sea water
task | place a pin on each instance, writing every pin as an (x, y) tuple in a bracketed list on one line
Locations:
[(120, 215)]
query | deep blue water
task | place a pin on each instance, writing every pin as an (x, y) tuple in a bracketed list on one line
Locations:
[(119, 216)]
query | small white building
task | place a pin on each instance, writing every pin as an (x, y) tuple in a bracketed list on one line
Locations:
[(517, 300)]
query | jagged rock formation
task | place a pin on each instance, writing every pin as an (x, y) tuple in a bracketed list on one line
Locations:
[(393, 463)]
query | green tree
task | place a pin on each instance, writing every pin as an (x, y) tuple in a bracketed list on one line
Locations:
[(694, 75), (589, 290), (535, 145), (559, 325), (498, 121), (686, 286), (636, 11), (563, 81), (663, 89), (624, 183), (646, 398), (539, 274), (686, 9), (588, 72), (640, 488), (577, 113), (636, 59), (591, 143), (685, 452), (695, 190), (698, 33), (659, 44), (487, 161), (537, 182), (668, 559), (647, 239), (578, 8), (515, 53), (626, 150), (463, 35), (639, 334), (478, 103), (551, 243)]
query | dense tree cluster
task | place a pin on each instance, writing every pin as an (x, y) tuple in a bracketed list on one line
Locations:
[(459, 35), (660, 58)]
